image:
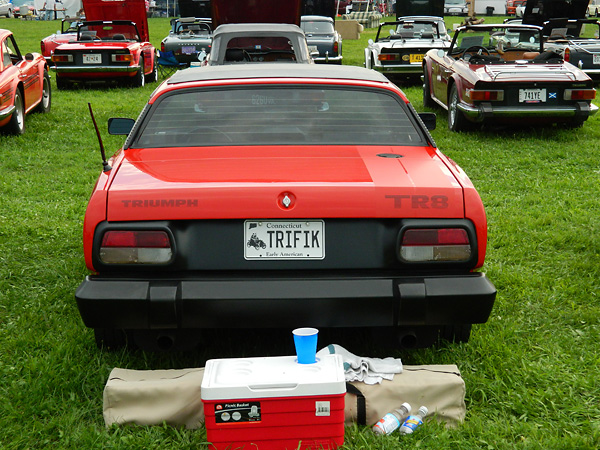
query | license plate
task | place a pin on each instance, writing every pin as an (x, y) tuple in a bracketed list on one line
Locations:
[(188, 49), (94, 58), (284, 239), (416, 58), (532, 95), (596, 58), (313, 48)]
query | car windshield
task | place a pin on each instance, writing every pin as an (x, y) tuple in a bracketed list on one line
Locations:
[(275, 115), (317, 27), (418, 30), (107, 31), (454, 2), (193, 28), (489, 40)]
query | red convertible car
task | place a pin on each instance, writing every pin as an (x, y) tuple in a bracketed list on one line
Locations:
[(67, 33), (502, 74), (233, 205), (112, 44), (24, 85)]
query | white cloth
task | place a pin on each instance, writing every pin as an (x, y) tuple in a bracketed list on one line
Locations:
[(367, 370)]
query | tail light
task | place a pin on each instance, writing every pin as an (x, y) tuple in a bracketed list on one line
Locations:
[(135, 247), (43, 46), (388, 57), (335, 47), (435, 245), (162, 47), (485, 95), (121, 57), (567, 54), (580, 94), (62, 58)]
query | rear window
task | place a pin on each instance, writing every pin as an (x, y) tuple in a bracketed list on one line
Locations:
[(264, 115)]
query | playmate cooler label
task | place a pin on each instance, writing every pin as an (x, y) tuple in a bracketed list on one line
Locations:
[(237, 412)]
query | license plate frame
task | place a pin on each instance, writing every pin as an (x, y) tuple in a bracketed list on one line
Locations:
[(533, 95), (596, 59), (92, 58), (292, 239)]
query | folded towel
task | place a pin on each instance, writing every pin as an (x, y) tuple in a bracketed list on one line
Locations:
[(367, 370)]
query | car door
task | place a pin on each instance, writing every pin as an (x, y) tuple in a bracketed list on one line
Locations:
[(442, 72), (28, 72)]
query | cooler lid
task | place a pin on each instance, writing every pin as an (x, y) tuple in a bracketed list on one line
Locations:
[(268, 377)]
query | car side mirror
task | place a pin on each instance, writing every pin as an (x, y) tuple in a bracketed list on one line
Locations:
[(120, 126), (29, 57), (429, 119), (370, 41), (441, 53)]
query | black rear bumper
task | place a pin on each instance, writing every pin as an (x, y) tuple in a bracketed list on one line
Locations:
[(208, 303)]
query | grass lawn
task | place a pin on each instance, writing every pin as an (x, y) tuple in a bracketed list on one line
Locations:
[(531, 372)]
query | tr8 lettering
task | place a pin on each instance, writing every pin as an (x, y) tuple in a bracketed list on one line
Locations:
[(419, 201)]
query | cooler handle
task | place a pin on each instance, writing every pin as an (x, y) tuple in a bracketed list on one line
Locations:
[(280, 387)]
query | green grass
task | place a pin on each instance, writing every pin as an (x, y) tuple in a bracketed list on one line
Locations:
[(530, 372)]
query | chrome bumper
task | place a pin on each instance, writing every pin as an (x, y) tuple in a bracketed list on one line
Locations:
[(6, 112), (401, 69), (486, 111), (95, 69)]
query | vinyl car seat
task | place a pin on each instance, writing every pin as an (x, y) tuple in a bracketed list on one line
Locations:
[(119, 37)]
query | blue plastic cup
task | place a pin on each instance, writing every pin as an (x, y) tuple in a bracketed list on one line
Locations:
[(305, 340)]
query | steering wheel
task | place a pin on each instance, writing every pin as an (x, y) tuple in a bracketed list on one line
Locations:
[(472, 48)]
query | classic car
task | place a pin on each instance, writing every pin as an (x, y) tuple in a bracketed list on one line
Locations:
[(6, 8), (68, 32), (257, 42), (520, 10), (399, 46), (512, 5), (583, 52), (456, 8), (108, 47), (232, 205), (24, 10), (189, 36), (24, 85), (501, 74), (593, 9), (322, 37)]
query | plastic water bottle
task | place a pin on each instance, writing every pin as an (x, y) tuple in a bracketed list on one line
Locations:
[(412, 422), (392, 420)]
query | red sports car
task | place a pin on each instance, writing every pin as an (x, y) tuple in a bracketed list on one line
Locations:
[(232, 204), (24, 85), (67, 33), (111, 45), (501, 74)]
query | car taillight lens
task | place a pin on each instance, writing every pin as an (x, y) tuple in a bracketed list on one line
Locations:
[(567, 54), (435, 244), (127, 57), (162, 47), (62, 58), (335, 47), (580, 94), (485, 95), (135, 247), (388, 57)]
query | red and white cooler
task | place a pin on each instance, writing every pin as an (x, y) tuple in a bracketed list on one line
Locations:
[(274, 403)]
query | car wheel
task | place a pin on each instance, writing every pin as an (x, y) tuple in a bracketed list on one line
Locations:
[(140, 79), (153, 76), (456, 119), (427, 99), (62, 84), (17, 120), (46, 101), (455, 333), (109, 338)]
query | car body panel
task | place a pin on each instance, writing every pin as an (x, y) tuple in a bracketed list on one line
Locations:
[(126, 10), (204, 195), (321, 36), (189, 36), (515, 72), (23, 73), (413, 37)]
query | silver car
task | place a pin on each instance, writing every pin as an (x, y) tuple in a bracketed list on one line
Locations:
[(6, 8)]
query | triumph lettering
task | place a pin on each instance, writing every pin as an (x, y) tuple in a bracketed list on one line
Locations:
[(163, 203), (419, 201)]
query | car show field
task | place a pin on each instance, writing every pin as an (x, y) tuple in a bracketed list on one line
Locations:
[(530, 371)]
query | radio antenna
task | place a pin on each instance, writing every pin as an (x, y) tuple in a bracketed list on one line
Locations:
[(105, 165)]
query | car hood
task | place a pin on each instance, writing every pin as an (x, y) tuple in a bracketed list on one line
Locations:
[(530, 72), (230, 183)]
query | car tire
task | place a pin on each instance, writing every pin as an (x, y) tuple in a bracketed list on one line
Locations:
[(455, 333), (46, 101), (16, 125), (456, 119), (62, 84), (427, 99), (139, 80), (109, 338), (153, 76)]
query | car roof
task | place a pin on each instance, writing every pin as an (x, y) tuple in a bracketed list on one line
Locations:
[(316, 18), (283, 70), (403, 18)]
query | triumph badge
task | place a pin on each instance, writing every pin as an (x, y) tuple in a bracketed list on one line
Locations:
[(286, 201)]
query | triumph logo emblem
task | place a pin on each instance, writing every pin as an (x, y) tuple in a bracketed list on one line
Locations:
[(286, 201)]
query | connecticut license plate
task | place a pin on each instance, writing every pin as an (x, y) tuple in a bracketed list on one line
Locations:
[(93, 58), (416, 58), (188, 49), (596, 58), (284, 239), (532, 95)]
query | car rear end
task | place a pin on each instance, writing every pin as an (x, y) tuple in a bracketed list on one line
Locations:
[(281, 221)]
